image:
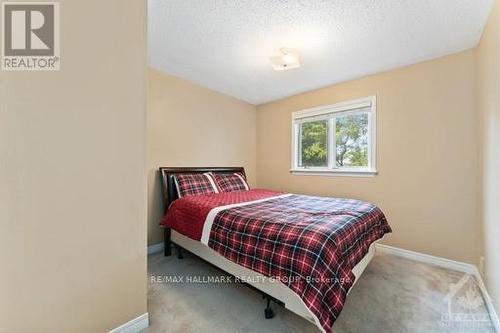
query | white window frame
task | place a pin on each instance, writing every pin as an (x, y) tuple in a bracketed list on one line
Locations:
[(325, 112)]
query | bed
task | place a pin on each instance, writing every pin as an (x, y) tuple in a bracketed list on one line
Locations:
[(302, 252)]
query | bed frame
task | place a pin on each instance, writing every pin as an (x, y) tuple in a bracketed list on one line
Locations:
[(270, 290)]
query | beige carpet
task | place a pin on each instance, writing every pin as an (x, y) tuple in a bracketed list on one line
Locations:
[(393, 295)]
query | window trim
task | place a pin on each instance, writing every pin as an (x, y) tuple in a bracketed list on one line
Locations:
[(338, 108)]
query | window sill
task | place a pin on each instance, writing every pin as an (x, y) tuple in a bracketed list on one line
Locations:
[(334, 173)]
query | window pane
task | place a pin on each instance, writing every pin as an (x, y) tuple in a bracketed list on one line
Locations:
[(352, 141), (313, 143)]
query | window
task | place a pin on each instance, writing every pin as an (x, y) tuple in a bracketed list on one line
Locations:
[(336, 139)]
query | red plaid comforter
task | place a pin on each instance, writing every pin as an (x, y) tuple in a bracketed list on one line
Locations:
[(187, 215), (311, 244)]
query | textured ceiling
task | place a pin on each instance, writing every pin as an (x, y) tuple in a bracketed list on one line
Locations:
[(225, 45)]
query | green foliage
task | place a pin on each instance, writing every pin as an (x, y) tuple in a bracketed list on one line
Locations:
[(351, 140), (314, 143)]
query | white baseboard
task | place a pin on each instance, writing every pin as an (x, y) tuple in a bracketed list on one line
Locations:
[(427, 259), (134, 326), (449, 264), (155, 248)]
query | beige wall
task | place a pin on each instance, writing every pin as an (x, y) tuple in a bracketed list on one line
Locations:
[(489, 99), (189, 125), (72, 177), (428, 142)]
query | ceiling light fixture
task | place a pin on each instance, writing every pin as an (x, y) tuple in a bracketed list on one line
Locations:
[(288, 59)]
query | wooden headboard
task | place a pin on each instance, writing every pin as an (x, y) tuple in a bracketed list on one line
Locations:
[(167, 179)]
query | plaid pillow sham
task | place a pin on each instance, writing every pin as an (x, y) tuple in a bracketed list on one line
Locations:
[(194, 184), (230, 182)]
